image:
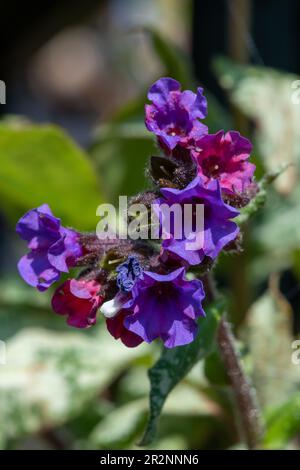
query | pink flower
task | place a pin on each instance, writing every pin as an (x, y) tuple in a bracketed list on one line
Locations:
[(79, 300), (224, 157)]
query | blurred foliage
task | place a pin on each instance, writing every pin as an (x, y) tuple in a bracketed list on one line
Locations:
[(51, 376), (120, 154), (267, 332), (40, 164), (265, 96), (83, 390), (283, 424), (175, 62)]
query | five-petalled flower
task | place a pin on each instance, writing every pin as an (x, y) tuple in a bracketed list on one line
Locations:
[(164, 306), (218, 228), (225, 157), (174, 115)]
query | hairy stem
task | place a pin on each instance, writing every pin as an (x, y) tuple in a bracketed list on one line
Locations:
[(244, 393)]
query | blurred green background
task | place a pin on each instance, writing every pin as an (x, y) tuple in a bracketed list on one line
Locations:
[(72, 135)]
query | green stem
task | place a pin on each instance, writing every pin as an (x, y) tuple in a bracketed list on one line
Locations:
[(244, 393)]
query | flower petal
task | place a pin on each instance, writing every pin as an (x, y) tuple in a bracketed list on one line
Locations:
[(117, 329), (36, 270), (159, 91), (81, 310)]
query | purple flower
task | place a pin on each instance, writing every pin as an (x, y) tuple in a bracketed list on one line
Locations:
[(192, 243), (165, 306), (174, 115), (128, 272), (53, 248), (224, 157)]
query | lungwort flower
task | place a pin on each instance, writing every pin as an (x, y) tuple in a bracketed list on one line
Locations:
[(149, 295), (174, 115), (79, 300), (217, 230), (225, 157), (53, 248), (164, 306)]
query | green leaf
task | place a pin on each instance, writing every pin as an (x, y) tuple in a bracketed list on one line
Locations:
[(173, 366), (268, 335), (193, 401), (214, 369), (283, 423), (23, 307), (51, 377), (41, 164), (276, 235), (121, 153), (120, 427), (280, 224), (171, 442)]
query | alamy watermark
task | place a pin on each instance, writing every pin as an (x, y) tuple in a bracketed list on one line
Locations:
[(296, 354), (2, 92), (160, 221)]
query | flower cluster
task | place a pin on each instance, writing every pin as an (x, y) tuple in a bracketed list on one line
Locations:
[(145, 289)]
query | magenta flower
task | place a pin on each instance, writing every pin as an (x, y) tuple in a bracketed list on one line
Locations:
[(217, 229), (53, 248), (174, 115), (117, 329), (79, 300), (165, 306), (224, 157)]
